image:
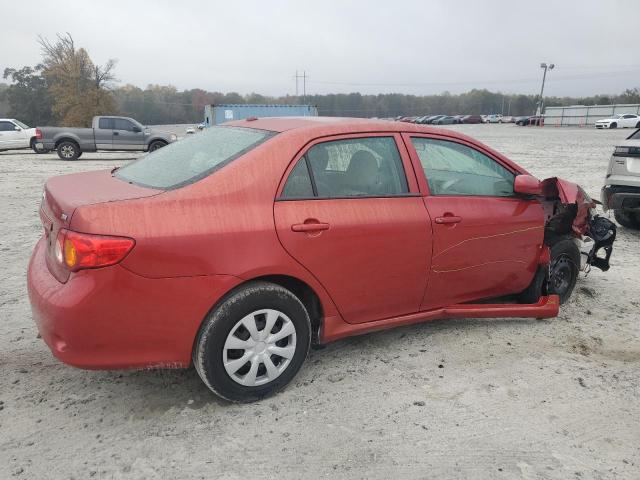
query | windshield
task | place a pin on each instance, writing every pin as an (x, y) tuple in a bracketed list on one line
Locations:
[(189, 160), (20, 124)]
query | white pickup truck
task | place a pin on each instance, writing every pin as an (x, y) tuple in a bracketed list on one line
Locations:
[(16, 135), (106, 133)]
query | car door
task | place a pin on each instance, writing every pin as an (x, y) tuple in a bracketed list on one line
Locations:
[(486, 239), (350, 212), (127, 135), (9, 136), (103, 135), (629, 120)]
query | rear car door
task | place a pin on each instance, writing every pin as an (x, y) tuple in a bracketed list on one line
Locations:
[(127, 135), (9, 136), (349, 210), (486, 239), (103, 135)]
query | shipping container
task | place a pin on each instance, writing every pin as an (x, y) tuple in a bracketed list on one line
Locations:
[(217, 114), (585, 115)]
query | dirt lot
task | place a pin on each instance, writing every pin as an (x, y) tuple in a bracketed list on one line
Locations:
[(465, 399)]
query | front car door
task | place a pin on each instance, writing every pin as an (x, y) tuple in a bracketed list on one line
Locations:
[(350, 214), (127, 135), (486, 239)]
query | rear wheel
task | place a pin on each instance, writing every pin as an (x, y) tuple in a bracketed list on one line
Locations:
[(253, 343), (69, 151), (627, 218), (564, 267)]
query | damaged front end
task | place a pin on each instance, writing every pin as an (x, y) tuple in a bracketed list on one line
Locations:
[(570, 210)]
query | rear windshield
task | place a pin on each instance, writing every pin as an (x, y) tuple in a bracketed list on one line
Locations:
[(193, 158)]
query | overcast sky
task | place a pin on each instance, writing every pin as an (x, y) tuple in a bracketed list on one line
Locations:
[(419, 47)]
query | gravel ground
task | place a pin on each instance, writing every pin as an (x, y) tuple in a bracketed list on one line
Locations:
[(499, 399)]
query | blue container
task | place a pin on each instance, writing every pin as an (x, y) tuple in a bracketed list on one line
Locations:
[(217, 114)]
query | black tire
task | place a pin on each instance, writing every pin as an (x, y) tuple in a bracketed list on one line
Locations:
[(638, 125), (627, 219), (222, 322), (32, 145), (564, 267), (156, 145), (613, 125), (68, 151)]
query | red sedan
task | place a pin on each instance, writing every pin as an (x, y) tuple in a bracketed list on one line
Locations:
[(237, 248)]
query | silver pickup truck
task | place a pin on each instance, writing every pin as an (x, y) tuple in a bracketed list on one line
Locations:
[(106, 133)]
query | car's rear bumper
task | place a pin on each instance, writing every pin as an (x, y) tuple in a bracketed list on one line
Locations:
[(620, 197), (111, 318)]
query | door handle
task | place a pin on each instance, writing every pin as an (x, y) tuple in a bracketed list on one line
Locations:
[(309, 227), (116, 133), (448, 219)]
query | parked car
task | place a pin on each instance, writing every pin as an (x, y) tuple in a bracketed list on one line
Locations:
[(530, 120), (458, 118), (508, 119), (202, 126), (494, 118), (106, 133), (472, 119), (236, 248), (432, 119), (623, 120), (190, 130), (445, 120), (15, 135), (621, 192)]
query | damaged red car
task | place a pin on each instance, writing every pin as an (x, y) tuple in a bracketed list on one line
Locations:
[(237, 249)]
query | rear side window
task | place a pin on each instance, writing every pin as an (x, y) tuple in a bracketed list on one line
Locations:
[(188, 160), (455, 169), (105, 123), (355, 167)]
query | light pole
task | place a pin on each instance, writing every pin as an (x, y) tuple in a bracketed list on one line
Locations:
[(544, 77)]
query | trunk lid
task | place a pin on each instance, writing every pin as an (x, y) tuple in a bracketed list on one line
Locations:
[(64, 194)]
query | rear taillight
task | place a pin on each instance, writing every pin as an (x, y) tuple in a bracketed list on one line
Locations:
[(38, 134), (76, 251)]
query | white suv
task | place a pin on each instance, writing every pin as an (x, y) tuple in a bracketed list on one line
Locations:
[(15, 135), (621, 191)]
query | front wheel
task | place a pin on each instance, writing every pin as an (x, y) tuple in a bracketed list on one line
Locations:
[(627, 219), (613, 125), (253, 343), (69, 151), (156, 145), (564, 268)]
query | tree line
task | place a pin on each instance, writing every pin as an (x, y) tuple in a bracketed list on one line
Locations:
[(68, 88)]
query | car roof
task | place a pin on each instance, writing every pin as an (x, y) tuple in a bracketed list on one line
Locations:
[(338, 125)]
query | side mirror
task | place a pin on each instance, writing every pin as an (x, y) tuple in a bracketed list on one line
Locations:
[(136, 129), (17, 128), (527, 185)]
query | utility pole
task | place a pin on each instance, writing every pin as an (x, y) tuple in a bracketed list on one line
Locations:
[(545, 67), (304, 84)]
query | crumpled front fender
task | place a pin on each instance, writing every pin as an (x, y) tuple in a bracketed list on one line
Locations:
[(569, 193)]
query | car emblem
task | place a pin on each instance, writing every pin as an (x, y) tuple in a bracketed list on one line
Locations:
[(63, 217)]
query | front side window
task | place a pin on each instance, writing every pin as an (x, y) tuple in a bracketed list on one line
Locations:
[(188, 160), (355, 167), (7, 127), (122, 124), (455, 169)]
